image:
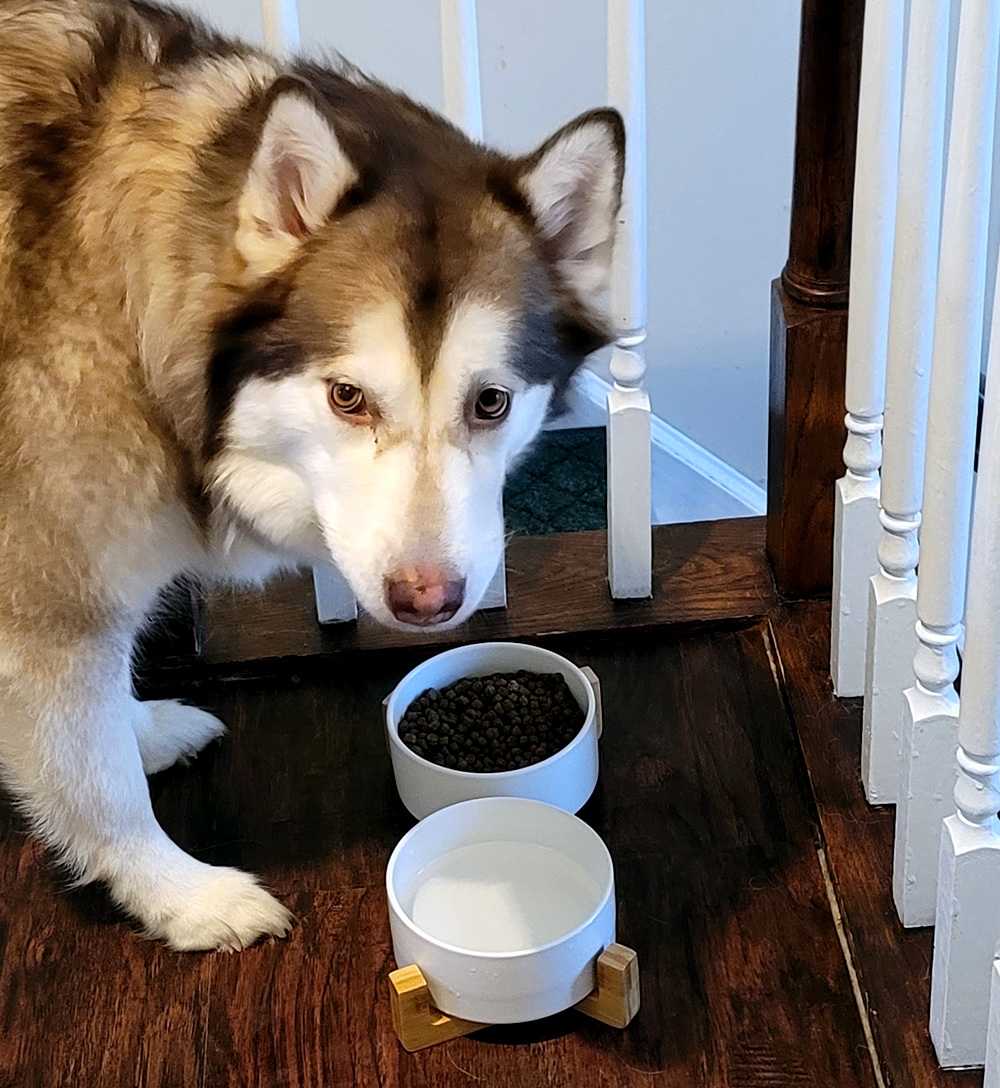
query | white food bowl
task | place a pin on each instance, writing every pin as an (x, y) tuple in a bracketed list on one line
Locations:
[(566, 779), (504, 904)]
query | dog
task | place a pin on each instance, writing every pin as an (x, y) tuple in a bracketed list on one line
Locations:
[(253, 314)]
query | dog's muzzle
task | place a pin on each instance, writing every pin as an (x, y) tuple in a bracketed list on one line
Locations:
[(424, 595)]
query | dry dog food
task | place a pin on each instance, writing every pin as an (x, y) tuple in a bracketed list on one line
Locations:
[(493, 723)]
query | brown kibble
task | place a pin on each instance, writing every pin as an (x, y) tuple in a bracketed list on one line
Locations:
[(492, 723)]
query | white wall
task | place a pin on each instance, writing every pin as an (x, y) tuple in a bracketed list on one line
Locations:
[(721, 114)]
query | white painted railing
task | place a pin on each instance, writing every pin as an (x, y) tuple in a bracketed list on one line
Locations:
[(629, 471), (628, 426), (911, 331), (856, 524), (946, 868)]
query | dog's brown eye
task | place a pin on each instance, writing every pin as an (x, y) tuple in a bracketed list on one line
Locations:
[(492, 404), (347, 398)]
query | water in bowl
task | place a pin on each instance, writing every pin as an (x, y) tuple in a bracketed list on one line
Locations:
[(501, 896)]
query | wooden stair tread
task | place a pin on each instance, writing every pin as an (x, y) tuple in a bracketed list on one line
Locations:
[(703, 571)]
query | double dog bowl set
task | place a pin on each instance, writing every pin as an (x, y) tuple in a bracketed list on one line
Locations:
[(501, 901)]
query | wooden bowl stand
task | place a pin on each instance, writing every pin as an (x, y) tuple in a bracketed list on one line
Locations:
[(418, 1024)]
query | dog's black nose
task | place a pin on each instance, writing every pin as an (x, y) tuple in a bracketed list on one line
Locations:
[(424, 595)]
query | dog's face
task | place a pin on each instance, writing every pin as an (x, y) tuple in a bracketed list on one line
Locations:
[(415, 304)]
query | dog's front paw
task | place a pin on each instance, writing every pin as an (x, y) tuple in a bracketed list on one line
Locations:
[(225, 910), (169, 731)]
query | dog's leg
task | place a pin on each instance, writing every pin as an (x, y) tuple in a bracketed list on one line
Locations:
[(69, 751), (169, 731)]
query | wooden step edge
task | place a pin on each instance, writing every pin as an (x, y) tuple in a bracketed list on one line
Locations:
[(703, 572)]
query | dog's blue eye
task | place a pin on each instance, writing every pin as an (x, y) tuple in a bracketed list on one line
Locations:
[(492, 404), (347, 398)]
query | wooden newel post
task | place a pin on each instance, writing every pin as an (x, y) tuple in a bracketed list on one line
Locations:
[(809, 304)]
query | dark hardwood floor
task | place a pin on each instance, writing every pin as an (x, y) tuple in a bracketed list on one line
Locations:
[(703, 801), (893, 963), (729, 772)]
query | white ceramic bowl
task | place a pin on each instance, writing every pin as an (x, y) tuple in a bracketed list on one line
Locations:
[(504, 904), (566, 779)]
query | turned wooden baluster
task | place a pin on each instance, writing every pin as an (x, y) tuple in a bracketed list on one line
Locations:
[(629, 465), (892, 591), (463, 106), (856, 525), (281, 26), (930, 709), (335, 601), (968, 893), (968, 905), (924, 792)]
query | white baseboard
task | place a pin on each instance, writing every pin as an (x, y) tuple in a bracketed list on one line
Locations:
[(587, 401)]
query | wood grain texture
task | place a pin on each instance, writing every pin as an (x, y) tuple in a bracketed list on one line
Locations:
[(555, 584), (893, 963), (703, 802), (826, 128), (809, 303), (806, 436)]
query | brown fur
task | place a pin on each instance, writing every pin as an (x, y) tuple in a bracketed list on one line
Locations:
[(125, 134)]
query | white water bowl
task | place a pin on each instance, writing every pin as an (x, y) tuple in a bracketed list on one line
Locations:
[(566, 779), (504, 904)]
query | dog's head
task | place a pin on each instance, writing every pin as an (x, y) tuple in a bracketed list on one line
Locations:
[(414, 306)]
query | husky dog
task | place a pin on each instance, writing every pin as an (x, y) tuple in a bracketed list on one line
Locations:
[(252, 314)]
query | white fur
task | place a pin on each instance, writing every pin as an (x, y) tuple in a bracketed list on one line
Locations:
[(75, 745), (169, 732), (420, 485)]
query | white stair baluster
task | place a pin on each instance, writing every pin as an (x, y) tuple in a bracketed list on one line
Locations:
[(628, 435), (463, 106), (335, 602), (892, 640), (929, 716), (991, 1078), (968, 893), (856, 525), (968, 913), (463, 102), (281, 26)]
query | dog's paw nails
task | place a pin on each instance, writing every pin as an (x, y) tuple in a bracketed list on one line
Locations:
[(175, 734), (226, 911)]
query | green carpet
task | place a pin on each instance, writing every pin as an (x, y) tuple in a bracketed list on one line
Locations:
[(561, 486)]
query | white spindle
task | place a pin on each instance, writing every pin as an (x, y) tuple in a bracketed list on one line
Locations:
[(629, 477), (928, 717), (968, 915), (463, 103), (281, 26), (335, 602), (968, 918), (892, 614), (463, 106), (991, 1078), (856, 526)]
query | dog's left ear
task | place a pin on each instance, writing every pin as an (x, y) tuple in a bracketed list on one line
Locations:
[(573, 186), (298, 173)]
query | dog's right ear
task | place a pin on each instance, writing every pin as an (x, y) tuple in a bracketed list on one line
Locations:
[(298, 173)]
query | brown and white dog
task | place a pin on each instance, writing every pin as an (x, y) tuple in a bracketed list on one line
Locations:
[(252, 314)]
